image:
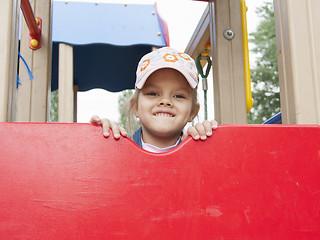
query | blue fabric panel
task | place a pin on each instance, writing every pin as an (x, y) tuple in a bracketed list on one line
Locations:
[(108, 67), (85, 23)]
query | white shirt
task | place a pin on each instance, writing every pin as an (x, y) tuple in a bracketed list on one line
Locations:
[(154, 149)]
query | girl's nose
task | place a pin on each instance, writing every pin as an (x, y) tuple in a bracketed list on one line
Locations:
[(165, 102)]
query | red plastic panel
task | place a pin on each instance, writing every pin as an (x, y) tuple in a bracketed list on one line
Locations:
[(66, 181)]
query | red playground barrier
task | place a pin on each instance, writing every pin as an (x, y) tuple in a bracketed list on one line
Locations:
[(66, 181)]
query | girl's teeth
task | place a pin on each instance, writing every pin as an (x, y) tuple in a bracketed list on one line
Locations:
[(163, 115)]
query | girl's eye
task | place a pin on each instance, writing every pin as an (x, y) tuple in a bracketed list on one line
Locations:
[(152, 94), (179, 96)]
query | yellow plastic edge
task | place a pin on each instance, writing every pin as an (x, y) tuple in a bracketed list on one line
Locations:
[(249, 98)]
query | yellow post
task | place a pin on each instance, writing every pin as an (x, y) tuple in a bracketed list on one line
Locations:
[(246, 55)]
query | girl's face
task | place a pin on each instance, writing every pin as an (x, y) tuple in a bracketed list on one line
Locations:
[(164, 107)]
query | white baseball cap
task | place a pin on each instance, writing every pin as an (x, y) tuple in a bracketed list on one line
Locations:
[(166, 58)]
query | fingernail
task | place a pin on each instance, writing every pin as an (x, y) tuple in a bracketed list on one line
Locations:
[(209, 133), (203, 137), (106, 134), (196, 137), (117, 135)]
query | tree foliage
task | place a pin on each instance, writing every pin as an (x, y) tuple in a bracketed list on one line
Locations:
[(123, 106), (264, 75), (54, 106)]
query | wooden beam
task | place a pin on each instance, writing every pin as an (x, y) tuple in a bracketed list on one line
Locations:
[(9, 34), (66, 95), (298, 40), (229, 77), (200, 36), (33, 96)]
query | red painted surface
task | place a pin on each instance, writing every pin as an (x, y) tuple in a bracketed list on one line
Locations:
[(66, 181)]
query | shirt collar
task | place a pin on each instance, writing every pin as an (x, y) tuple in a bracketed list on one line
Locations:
[(154, 149)]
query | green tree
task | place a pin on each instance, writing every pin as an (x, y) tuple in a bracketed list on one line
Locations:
[(264, 75), (123, 106), (54, 106)]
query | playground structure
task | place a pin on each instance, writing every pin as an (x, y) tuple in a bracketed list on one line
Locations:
[(298, 59), (65, 181)]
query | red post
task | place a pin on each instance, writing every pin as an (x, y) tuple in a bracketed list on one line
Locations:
[(33, 26)]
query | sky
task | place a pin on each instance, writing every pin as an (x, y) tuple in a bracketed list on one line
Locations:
[(182, 17)]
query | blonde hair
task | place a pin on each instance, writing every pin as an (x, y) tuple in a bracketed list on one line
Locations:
[(133, 101)]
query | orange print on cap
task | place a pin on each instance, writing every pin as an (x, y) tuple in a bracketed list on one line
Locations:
[(170, 58), (145, 64), (184, 56)]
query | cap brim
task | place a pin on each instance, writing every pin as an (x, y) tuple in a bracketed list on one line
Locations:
[(192, 82)]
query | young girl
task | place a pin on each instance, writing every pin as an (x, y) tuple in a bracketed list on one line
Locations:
[(165, 100)]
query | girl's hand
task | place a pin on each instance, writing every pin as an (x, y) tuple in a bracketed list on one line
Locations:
[(107, 125), (201, 130)]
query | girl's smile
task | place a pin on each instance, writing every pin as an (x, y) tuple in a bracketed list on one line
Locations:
[(163, 114)]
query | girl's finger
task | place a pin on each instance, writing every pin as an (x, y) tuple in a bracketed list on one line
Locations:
[(95, 119), (105, 127), (115, 129), (214, 124), (193, 133), (201, 130), (207, 127), (123, 132)]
